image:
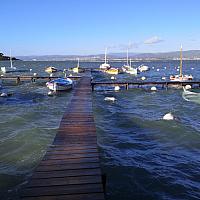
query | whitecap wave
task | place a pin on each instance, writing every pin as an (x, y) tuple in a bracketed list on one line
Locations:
[(191, 96)]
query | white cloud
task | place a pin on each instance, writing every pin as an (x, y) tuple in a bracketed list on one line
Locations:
[(153, 40), (124, 46)]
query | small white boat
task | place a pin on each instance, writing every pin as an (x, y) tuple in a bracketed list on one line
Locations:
[(143, 68), (129, 69), (105, 65), (60, 84)]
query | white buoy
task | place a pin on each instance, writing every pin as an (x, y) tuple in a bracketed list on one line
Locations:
[(177, 70), (117, 88), (188, 87), (30, 70), (165, 67), (110, 99), (192, 68), (158, 70), (143, 78), (4, 94), (34, 74), (50, 93), (152, 67), (112, 78), (163, 78), (153, 88), (168, 116)]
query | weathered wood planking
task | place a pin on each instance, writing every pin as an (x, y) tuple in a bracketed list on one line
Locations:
[(70, 168)]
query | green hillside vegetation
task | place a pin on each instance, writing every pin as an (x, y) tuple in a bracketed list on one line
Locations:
[(2, 57)]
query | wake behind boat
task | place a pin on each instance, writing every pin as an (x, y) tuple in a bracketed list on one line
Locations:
[(60, 84), (191, 96)]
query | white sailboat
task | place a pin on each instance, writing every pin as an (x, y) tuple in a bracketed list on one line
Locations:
[(77, 69), (127, 67), (180, 76), (105, 65)]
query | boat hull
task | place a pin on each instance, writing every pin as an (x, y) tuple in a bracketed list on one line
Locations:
[(60, 84), (57, 87)]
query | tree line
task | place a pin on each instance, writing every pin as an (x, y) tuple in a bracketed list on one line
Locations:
[(2, 57)]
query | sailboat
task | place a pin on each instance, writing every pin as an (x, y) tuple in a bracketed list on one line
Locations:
[(127, 68), (105, 65), (180, 76), (9, 69), (77, 69)]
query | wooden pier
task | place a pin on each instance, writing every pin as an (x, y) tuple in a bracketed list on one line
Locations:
[(70, 169), (144, 83), (20, 78)]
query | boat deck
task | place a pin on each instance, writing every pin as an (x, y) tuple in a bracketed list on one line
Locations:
[(70, 169)]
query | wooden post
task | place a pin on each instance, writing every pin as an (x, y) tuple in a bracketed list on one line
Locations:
[(18, 80), (92, 84), (127, 86), (103, 177)]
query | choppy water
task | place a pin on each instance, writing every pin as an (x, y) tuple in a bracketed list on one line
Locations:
[(143, 156)]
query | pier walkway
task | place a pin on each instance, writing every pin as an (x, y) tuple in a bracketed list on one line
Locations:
[(70, 169)]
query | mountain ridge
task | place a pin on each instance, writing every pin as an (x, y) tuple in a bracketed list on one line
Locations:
[(190, 54)]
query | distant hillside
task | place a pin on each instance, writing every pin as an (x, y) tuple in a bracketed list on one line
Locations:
[(2, 57), (191, 54)]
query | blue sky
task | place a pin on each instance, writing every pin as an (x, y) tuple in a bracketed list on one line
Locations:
[(43, 27)]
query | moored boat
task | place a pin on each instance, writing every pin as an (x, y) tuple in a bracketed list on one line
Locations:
[(60, 84), (77, 69), (129, 69), (112, 70), (143, 68), (51, 69), (180, 76), (105, 65)]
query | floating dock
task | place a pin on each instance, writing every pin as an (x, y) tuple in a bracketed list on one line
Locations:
[(70, 168)]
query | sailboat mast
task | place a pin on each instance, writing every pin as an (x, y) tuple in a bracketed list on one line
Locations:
[(105, 55), (11, 65), (78, 63), (181, 63), (130, 62), (127, 57)]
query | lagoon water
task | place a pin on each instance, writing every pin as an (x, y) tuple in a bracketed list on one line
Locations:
[(143, 156)]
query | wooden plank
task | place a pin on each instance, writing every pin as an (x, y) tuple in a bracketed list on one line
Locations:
[(60, 190), (64, 181), (56, 167), (91, 196), (69, 161), (68, 173), (70, 156), (69, 151)]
